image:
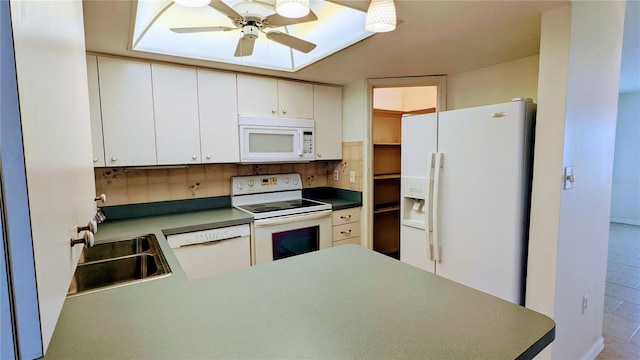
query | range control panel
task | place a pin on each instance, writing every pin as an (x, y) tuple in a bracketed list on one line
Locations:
[(256, 184)]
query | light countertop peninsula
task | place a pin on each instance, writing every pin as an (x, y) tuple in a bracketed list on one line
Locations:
[(341, 303)]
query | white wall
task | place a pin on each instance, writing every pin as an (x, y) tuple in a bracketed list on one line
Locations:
[(587, 71), (494, 84), (625, 194)]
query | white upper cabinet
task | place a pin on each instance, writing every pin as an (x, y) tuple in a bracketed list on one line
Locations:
[(218, 104), (295, 99), (94, 110), (127, 112), (272, 97), (175, 104), (327, 107)]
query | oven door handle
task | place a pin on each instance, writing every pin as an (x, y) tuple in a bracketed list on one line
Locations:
[(278, 220)]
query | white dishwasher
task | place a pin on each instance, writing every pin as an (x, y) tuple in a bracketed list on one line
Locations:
[(212, 251)]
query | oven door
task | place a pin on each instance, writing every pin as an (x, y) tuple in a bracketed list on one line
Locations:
[(284, 236)]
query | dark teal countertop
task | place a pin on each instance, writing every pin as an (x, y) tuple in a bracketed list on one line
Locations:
[(338, 198), (340, 303)]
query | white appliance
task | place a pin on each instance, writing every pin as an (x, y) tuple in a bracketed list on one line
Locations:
[(465, 185), (285, 224), (212, 251), (270, 139)]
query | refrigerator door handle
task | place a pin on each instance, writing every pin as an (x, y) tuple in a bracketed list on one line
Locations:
[(429, 223), (434, 214)]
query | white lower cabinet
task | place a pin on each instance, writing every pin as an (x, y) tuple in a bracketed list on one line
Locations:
[(218, 104), (126, 97), (346, 226), (175, 105)]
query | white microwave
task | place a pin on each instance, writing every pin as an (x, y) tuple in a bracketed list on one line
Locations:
[(273, 139)]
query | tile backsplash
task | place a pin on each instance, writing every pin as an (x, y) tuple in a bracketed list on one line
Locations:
[(140, 185)]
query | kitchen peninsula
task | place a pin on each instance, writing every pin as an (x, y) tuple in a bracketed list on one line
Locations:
[(342, 302)]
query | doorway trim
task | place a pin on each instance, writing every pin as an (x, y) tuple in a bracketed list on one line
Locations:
[(439, 81)]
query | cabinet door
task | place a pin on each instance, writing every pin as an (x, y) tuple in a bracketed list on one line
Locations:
[(127, 112), (295, 99), (50, 64), (218, 117), (257, 95), (327, 110), (94, 111), (175, 104)]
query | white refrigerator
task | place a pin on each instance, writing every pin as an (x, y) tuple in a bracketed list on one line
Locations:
[(465, 195)]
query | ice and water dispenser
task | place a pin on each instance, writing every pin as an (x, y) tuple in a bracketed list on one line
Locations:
[(415, 202)]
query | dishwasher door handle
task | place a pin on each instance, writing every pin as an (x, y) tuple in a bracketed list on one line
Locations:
[(212, 242)]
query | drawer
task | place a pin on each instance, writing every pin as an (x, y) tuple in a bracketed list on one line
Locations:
[(346, 216), (345, 231), (353, 240)]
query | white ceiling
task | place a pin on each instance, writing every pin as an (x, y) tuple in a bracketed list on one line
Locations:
[(434, 37)]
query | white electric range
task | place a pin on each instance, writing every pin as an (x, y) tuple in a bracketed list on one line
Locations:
[(285, 224)]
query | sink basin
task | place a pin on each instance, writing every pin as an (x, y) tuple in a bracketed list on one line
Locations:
[(115, 249), (118, 262)]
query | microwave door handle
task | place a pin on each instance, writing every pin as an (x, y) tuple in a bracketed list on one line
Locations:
[(300, 142)]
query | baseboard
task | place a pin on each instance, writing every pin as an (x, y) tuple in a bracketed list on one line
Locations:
[(626, 221), (595, 350)]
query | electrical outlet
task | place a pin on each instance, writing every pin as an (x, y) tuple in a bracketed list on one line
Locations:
[(585, 303), (336, 175), (352, 176)]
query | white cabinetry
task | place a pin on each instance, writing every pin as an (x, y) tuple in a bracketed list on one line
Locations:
[(94, 111), (346, 226), (218, 104), (272, 97), (52, 86), (327, 110), (175, 104), (127, 112)]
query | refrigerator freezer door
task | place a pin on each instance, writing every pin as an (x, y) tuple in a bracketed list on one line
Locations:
[(481, 197), (419, 142)]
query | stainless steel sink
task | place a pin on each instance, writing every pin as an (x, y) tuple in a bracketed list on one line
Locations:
[(119, 262)]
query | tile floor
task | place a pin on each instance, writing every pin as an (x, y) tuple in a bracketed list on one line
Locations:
[(621, 330)]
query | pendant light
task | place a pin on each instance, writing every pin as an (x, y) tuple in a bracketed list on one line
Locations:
[(192, 3), (292, 8), (381, 16)]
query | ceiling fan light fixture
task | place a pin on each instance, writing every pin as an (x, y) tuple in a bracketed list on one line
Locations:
[(192, 3), (381, 16), (292, 8)]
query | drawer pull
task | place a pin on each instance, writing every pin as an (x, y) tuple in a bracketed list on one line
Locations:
[(345, 232), (345, 216)]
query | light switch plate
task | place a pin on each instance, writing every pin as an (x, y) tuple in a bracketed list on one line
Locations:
[(352, 176), (336, 175), (568, 177)]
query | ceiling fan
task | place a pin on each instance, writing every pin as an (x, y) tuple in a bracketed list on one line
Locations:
[(253, 17)]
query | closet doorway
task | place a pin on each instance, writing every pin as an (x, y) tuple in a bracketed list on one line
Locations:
[(390, 104)]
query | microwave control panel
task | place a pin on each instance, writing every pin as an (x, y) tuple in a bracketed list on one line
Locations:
[(308, 142)]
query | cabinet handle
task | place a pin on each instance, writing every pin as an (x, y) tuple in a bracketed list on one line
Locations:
[(95, 159), (194, 157), (319, 155), (114, 158), (284, 111), (345, 217), (345, 232), (208, 157), (102, 198), (273, 111)]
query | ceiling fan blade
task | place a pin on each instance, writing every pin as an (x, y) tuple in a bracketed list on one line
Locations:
[(198, 29), (291, 41), (226, 10), (245, 46), (276, 20)]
